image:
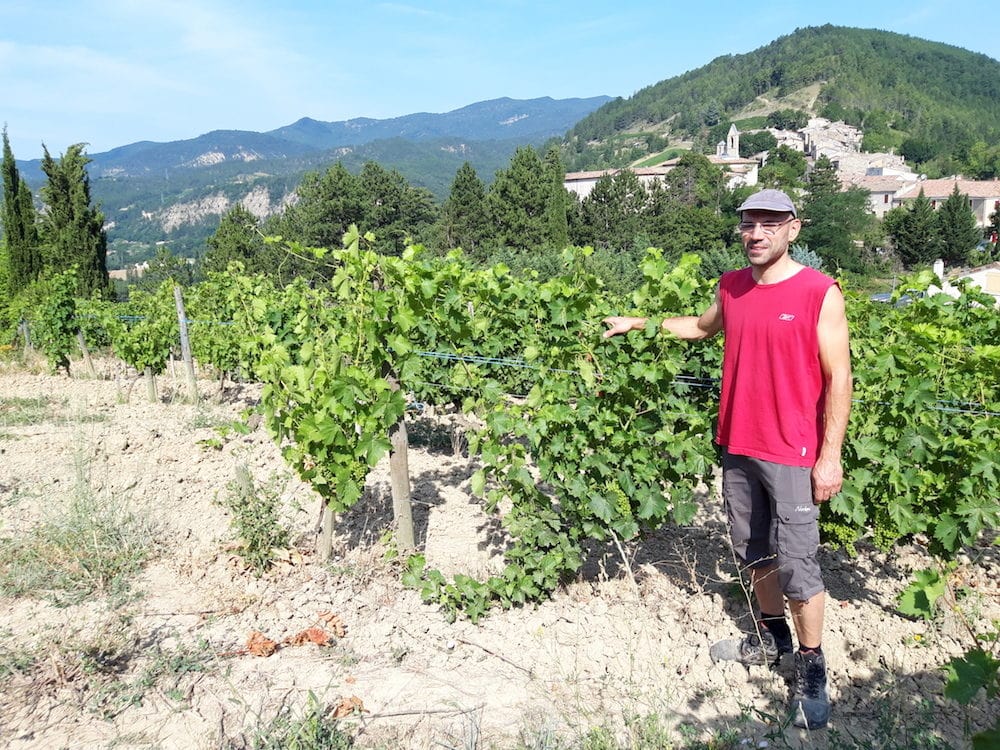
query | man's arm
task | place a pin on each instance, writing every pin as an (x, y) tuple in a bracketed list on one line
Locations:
[(703, 326), (835, 361)]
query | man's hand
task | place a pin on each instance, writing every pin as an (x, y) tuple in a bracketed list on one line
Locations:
[(618, 324), (827, 479)]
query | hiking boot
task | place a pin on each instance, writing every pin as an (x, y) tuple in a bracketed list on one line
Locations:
[(810, 701), (763, 649)]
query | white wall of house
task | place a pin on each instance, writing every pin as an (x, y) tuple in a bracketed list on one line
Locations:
[(983, 195), (582, 183), (986, 278)]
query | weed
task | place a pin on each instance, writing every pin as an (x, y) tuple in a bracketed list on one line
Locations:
[(219, 421), (105, 670), (897, 727), (256, 519), (24, 411), (225, 429), (892, 732), (388, 541), (110, 697), (640, 733), (15, 661), (95, 544), (314, 729), (438, 436)]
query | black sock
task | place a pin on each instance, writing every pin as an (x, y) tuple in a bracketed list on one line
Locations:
[(777, 624), (817, 650)]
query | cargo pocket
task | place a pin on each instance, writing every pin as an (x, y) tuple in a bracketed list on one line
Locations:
[(798, 531)]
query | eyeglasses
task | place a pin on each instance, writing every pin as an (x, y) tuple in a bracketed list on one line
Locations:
[(767, 227)]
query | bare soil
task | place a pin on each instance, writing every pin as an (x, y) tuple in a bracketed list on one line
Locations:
[(621, 641)]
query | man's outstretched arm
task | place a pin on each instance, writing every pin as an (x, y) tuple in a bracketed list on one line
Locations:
[(689, 327)]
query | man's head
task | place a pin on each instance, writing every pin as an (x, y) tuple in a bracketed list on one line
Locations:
[(768, 225), (776, 201)]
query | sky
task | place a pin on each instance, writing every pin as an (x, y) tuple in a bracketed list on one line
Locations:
[(113, 72)]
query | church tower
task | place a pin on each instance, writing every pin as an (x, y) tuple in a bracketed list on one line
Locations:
[(733, 142)]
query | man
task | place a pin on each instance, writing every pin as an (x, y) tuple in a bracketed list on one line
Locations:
[(783, 410)]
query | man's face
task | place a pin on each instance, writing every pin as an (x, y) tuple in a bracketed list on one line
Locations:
[(766, 235)]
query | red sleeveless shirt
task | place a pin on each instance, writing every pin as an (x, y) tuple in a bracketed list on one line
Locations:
[(771, 404)]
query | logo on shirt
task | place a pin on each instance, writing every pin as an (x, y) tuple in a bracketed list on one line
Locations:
[(786, 317)]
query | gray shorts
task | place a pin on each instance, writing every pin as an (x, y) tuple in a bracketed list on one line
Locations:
[(773, 521)]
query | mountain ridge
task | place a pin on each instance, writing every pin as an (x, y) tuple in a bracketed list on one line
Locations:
[(174, 193), (530, 121)]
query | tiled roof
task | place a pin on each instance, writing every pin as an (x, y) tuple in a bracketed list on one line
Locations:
[(940, 189)]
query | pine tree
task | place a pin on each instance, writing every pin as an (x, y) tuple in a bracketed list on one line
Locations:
[(463, 216), (695, 181), (784, 170), (20, 232), (392, 209), (238, 238), (162, 266), (835, 218), (823, 180), (613, 212), (328, 204), (957, 228), (72, 229), (518, 202), (916, 233)]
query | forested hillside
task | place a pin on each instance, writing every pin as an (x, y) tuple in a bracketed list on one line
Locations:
[(901, 89), (174, 194)]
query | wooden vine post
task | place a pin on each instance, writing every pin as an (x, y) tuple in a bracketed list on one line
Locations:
[(324, 538), (399, 479), (186, 346), (150, 385), (86, 354), (25, 336)]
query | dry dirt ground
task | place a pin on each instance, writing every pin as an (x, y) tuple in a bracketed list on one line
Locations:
[(164, 664)]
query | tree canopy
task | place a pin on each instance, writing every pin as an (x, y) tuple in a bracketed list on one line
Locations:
[(21, 253), (72, 229)]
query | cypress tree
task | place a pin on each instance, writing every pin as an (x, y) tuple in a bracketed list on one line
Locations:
[(72, 229), (20, 232), (558, 200)]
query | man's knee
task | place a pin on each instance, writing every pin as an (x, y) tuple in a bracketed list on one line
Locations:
[(800, 578)]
